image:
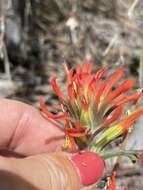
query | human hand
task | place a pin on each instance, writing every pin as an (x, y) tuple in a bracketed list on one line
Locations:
[(26, 132)]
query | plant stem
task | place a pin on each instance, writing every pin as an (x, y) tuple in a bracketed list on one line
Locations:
[(132, 154)]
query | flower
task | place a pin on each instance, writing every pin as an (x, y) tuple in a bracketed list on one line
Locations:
[(120, 128), (92, 106), (89, 99), (70, 133), (112, 182)]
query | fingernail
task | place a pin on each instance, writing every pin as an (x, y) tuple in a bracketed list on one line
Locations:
[(90, 167)]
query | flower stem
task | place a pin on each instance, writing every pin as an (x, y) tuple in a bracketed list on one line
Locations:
[(131, 154)]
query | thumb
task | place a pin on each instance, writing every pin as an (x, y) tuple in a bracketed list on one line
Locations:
[(52, 171)]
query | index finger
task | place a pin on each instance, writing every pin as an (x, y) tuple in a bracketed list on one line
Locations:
[(25, 131)]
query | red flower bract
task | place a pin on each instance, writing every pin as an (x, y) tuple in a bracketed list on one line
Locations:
[(112, 183), (91, 103)]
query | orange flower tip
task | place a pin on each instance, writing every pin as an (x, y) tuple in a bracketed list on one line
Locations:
[(133, 98), (87, 163), (72, 92), (125, 86), (114, 78), (43, 106), (49, 114), (127, 122), (117, 113), (112, 182), (56, 88), (87, 67)]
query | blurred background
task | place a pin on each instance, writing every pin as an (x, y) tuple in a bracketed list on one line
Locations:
[(38, 36)]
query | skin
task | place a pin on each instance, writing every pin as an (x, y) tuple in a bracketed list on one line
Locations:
[(25, 132)]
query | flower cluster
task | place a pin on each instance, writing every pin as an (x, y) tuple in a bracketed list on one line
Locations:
[(94, 104)]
